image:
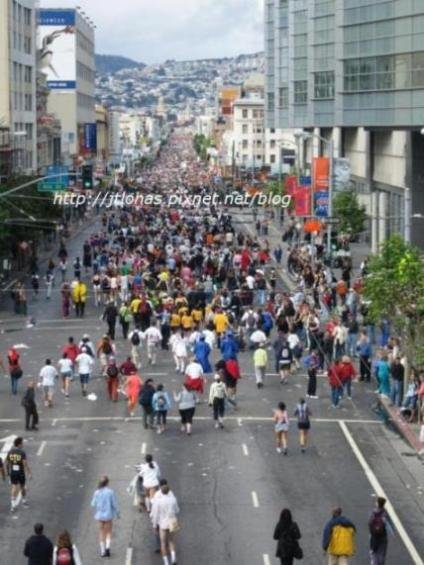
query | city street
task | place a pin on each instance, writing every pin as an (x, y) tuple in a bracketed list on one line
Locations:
[(231, 484)]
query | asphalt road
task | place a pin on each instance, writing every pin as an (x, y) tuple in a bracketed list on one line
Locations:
[(231, 484)]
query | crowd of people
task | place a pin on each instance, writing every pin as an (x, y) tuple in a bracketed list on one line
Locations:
[(183, 283)]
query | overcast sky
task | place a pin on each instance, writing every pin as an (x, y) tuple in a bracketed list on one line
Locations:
[(154, 30)]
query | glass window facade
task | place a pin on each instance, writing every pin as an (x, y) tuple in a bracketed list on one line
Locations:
[(283, 97), (300, 91), (324, 85)]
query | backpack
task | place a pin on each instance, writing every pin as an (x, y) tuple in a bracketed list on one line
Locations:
[(112, 371), (377, 526), (144, 308), (107, 348), (135, 339), (64, 556), (146, 395), (161, 402)]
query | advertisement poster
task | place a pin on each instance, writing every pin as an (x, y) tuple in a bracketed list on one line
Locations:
[(302, 201), (56, 50), (90, 137), (320, 173), (321, 204), (291, 185)]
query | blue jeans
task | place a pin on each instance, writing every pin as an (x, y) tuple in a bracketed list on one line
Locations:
[(351, 344), (347, 387), (397, 392), (336, 394), (14, 382)]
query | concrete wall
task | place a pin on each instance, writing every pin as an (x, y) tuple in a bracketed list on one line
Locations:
[(389, 158)]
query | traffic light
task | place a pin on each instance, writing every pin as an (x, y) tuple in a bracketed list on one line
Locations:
[(87, 176)]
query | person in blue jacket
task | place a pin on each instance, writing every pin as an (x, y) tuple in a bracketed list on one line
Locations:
[(229, 347), (161, 403), (201, 352), (106, 510)]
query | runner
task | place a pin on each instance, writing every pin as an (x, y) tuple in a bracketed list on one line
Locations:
[(149, 472), (281, 427), (30, 406), (133, 385), (164, 515), (303, 414), (84, 363), (17, 470), (48, 376), (147, 393), (112, 375), (161, 404), (217, 396), (66, 370), (153, 337)]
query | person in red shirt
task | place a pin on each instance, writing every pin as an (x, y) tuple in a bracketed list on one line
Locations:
[(127, 368), (335, 382), (347, 374), (72, 351)]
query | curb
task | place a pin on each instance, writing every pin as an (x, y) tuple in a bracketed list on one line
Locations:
[(402, 427)]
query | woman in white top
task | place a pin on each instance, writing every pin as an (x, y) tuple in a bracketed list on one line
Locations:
[(65, 367), (179, 349), (164, 517), (150, 473)]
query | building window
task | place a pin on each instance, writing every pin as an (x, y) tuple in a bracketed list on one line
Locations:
[(272, 143), (28, 102), (245, 158), (272, 130), (27, 45), (300, 91), (258, 143), (245, 114), (387, 72), (270, 101), (283, 97), (324, 85), (29, 132), (245, 129), (28, 74), (245, 143), (27, 16), (272, 158), (258, 157)]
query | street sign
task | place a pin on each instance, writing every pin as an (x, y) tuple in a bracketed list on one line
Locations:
[(332, 221), (59, 180)]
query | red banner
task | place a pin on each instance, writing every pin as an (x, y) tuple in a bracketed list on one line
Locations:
[(291, 185), (320, 174), (302, 201)]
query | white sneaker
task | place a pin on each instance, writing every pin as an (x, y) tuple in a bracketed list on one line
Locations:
[(216, 425), (316, 397), (278, 449)]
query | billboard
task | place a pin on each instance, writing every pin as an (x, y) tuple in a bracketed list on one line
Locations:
[(320, 173), (90, 137), (57, 48)]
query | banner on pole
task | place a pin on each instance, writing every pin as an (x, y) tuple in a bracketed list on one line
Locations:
[(302, 201), (320, 174)]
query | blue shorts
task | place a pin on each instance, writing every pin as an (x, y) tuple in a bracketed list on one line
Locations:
[(84, 379)]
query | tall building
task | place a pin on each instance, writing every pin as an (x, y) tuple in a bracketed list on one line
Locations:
[(18, 85), (66, 57), (102, 132), (353, 71)]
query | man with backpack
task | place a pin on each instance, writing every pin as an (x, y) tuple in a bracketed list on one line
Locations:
[(145, 312), (112, 375), (379, 526), (338, 539), (146, 402), (135, 338)]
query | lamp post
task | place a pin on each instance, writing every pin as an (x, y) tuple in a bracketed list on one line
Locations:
[(330, 144)]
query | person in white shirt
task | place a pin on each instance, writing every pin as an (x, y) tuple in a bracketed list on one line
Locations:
[(85, 364), (48, 375), (149, 472), (164, 516), (194, 378), (179, 349), (295, 346), (65, 367), (135, 338), (153, 337)]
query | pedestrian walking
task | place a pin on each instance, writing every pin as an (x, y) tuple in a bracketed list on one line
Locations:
[(311, 391), (397, 371), (110, 316), (15, 370), (66, 370), (287, 535), (194, 378), (285, 361), (135, 338), (105, 350), (17, 470), (49, 278), (84, 363), (38, 548), (161, 404), (153, 338), (30, 406), (112, 376), (347, 374), (164, 516), (65, 552), (106, 509), (66, 295), (364, 350), (79, 298), (133, 384), (335, 383), (379, 526), (125, 318), (338, 540), (186, 400), (149, 473), (281, 427), (146, 402), (260, 361), (303, 415), (383, 376), (217, 396), (48, 376)]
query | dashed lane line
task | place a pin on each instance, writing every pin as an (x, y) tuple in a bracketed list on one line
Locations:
[(143, 448), (255, 499), (267, 560), (245, 450), (41, 448), (129, 556), (379, 491)]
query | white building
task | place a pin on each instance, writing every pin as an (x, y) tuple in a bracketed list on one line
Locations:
[(66, 39), (203, 125), (18, 81)]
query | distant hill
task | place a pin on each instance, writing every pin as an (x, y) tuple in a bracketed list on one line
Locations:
[(106, 64)]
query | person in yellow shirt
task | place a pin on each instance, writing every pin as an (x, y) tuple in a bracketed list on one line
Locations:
[(221, 324), (79, 298), (197, 314), (175, 321), (187, 321), (135, 310)]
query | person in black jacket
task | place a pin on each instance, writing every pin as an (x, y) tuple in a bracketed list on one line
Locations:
[(38, 548), (109, 316), (28, 402), (287, 534)]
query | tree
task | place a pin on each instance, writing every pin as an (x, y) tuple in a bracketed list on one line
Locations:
[(201, 145), (394, 289), (351, 214)]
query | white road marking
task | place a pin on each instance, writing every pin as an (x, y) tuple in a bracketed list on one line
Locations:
[(41, 448), (239, 421), (266, 559), (54, 423), (416, 559), (245, 450), (129, 556), (255, 499), (143, 448), (197, 418), (8, 444)]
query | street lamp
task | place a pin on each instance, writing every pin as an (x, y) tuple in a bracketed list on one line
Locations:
[(330, 144)]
